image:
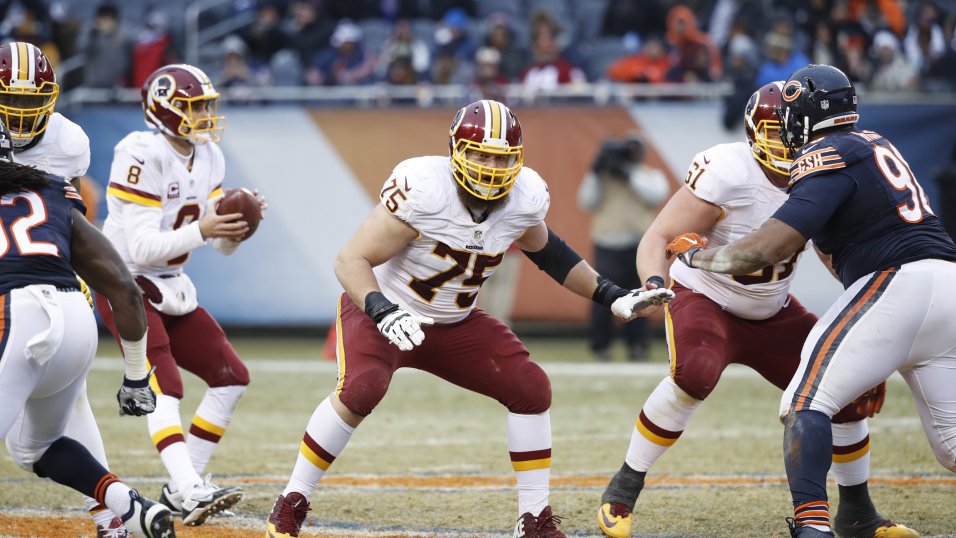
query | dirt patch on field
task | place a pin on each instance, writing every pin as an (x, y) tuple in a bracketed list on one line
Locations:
[(27, 526), (29, 523)]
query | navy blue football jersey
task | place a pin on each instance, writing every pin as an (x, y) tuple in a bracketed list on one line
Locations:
[(855, 196), (37, 228)]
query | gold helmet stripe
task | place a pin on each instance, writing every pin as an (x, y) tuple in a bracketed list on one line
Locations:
[(496, 119), (23, 55)]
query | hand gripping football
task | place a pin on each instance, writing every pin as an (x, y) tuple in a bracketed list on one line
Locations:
[(241, 201)]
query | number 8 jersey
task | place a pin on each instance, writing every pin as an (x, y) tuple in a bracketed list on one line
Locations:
[(439, 274), (728, 176), (155, 199)]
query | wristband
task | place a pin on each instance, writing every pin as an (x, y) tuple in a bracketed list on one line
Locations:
[(656, 280), (377, 306), (134, 358), (607, 292)]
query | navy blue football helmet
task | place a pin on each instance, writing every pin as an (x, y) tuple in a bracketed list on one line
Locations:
[(814, 98)]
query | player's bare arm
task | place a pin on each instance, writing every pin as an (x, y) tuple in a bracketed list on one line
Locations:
[(95, 260), (773, 242), (553, 256), (684, 212), (380, 237)]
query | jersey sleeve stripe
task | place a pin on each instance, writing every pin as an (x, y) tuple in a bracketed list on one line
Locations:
[(815, 161), (132, 195), (217, 192), (70, 192)]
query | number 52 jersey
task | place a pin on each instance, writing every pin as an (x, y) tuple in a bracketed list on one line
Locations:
[(155, 199)]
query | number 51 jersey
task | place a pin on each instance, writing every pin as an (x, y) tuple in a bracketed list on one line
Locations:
[(439, 272), (155, 197), (729, 177)]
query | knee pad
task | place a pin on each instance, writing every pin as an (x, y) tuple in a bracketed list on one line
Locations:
[(24, 458), (945, 454), (700, 379), (231, 372), (363, 391), (530, 394)]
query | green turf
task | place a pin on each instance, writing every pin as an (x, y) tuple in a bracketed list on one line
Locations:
[(427, 427)]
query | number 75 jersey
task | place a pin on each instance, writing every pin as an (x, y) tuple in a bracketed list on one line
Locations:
[(729, 177), (438, 274)]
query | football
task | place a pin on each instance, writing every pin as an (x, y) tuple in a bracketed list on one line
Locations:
[(241, 201)]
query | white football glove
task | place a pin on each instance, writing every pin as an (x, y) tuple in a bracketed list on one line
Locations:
[(629, 305), (404, 329)]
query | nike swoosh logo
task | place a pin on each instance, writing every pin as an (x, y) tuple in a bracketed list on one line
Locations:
[(607, 522), (706, 160), (140, 161)]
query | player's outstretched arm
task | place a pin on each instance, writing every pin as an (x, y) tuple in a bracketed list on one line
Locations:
[(97, 262), (773, 242), (553, 256)]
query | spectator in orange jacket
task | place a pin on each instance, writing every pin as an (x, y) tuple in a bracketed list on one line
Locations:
[(695, 56), (650, 64)]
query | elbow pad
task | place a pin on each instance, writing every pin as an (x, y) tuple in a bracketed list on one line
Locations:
[(556, 258)]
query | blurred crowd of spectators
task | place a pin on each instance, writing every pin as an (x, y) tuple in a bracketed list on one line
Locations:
[(883, 45)]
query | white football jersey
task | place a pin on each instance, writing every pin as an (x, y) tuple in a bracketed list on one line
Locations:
[(155, 201), (438, 274), (728, 176), (64, 149)]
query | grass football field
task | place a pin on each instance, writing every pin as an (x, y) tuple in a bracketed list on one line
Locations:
[(432, 460)]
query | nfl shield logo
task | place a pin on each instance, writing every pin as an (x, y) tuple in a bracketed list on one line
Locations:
[(825, 104)]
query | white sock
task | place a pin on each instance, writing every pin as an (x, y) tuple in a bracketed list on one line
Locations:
[(117, 498), (210, 422), (663, 419), (851, 453), (166, 430), (529, 443), (325, 437)]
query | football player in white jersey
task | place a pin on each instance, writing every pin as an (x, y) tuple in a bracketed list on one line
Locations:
[(411, 275), (163, 187), (48, 141), (718, 319)]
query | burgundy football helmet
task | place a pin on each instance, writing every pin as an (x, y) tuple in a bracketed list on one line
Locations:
[(489, 128), (28, 91), (181, 101), (763, 129)]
